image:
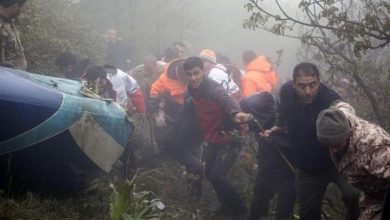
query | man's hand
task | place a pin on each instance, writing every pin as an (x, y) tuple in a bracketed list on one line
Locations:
[(269, 132), (242, 118)]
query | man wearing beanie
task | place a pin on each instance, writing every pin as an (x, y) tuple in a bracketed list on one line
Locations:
[(11, 49), (217, 72), (301, 100), (360, 151)]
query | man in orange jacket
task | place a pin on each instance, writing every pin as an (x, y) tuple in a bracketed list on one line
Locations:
[(169, 88), (259, 75), (177, 128)]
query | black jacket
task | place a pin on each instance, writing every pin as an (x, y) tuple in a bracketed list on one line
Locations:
[(262, 106), (300, 120), (184, 133), (117, 55)]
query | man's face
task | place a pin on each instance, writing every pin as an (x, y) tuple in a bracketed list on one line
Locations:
[(334, 149), (151, 68), (111, 35), (180, 50), (208, 65), (14, 10), (306, 87), (195, 77), (67, 70)]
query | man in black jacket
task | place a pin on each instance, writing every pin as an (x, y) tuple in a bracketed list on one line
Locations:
[(301, 100), (275, 173), (118, 51)]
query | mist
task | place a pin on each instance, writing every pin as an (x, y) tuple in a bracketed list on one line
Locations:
[(150, 26), (64, 126)]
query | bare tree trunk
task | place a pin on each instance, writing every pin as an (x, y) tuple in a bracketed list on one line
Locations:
[(371, 97)]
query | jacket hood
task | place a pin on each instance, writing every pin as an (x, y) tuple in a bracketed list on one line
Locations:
[(175, 70), (260, 64)]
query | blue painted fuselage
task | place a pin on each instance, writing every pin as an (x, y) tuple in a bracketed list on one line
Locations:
[(38, 143)]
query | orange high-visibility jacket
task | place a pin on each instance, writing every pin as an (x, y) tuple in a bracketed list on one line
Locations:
[(166, 85), (259, 77)]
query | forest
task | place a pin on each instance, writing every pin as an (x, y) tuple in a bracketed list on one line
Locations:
[(348, 40)]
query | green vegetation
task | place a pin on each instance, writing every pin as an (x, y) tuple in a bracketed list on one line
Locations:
[(160, 175), (127, 205), (50, 27), (349, 39)]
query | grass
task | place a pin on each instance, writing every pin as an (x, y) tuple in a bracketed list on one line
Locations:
[(167, 181), (126, 204), (157, 173)]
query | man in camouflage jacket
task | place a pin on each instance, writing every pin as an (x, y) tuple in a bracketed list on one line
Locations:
[(11, 49), (361, 151)]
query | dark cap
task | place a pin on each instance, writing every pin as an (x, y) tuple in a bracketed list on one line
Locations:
[(332, 127)]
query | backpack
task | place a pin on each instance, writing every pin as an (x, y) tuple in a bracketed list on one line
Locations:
[(234, 74)]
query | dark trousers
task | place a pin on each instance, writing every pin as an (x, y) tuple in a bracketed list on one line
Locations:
[(386, 206), (215, 173), (190, 158), (266, 186), (311, 189)]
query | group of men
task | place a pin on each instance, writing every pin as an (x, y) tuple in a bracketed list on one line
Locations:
[(308, 140), (196, 100)]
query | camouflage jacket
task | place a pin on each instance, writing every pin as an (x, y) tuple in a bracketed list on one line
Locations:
[(145, 81), (11, 49), (366, 162)]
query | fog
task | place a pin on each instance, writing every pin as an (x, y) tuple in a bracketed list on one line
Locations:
[(224, 32), (150, 26), (219, 26)]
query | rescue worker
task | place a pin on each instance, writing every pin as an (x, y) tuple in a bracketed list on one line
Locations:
[(128, 92), (218, 72), (96, 83), (215, 110), (118, 51), (11, 49), (129, 95), (147, 73), (169, 88), (82, 66), (275, 174), (259, 75), (177, 129), (360, 151), (180, 47), (67, 62), (182, 140), (301, 100), (233, 71), (175, 51)]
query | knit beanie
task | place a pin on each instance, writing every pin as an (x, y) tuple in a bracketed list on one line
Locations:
[(332, 127), (208, 55)]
